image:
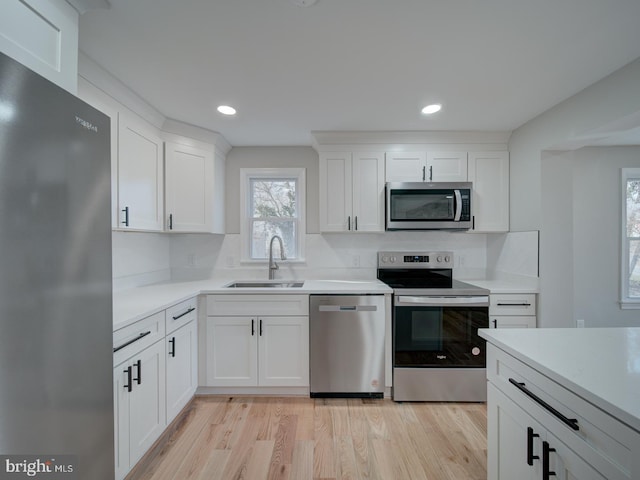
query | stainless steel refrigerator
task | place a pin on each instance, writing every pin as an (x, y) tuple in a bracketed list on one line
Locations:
[(56, 367)]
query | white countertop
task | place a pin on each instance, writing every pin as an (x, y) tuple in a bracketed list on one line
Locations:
[(601, 365), (520, 284), (132, 305)]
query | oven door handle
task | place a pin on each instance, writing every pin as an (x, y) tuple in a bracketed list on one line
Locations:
[(478, 301)]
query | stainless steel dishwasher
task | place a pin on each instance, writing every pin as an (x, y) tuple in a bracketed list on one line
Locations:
[(347, 338)]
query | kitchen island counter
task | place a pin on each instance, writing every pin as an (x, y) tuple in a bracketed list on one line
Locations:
[(600, 365)]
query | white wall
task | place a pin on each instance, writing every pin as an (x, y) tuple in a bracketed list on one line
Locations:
[(271, 157), (580, 239), (608, 105)]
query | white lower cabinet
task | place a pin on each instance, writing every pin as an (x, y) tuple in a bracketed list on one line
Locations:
[(539, 429), (154, 377), (139, 405), (250, 349), (258, 351), (182, 372), (510, 310), (526, 449)]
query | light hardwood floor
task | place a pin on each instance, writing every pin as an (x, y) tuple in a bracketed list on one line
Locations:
[(254, 438)]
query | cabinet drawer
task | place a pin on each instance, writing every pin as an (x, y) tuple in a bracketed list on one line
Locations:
[(512, 304), (512, 321), (181, 314), (264, 305), (606, 443), (134, 338)]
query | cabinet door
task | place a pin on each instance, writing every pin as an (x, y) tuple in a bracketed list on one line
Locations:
[(182, 370), (447, 166), (121, 419), (232, 346), (335, 192), (566, 464), (43, 35), (283, 351), (489, 172), (147, 414), (507, 439), (188, 188), (368, 192), (140, 175), (512, 321), (406, 167)]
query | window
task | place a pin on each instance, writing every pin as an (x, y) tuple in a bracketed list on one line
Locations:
[(272, 203), (630, 267)]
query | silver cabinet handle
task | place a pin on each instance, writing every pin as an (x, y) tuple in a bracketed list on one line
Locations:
[(347, 308)]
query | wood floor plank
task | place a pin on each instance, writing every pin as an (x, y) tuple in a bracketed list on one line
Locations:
[(294, 438), (302, 462)]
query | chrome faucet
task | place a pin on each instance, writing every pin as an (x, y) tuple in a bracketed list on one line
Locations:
[(273, 266)]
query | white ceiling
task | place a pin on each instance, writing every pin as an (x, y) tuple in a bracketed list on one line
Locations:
[(358, 64)]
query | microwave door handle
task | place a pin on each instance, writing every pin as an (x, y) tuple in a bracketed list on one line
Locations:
[(458, 214)]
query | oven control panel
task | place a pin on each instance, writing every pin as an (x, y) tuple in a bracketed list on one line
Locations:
[(415, 259)]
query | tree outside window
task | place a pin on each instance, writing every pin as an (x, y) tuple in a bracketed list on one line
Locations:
[(273, 212), (272, 204)]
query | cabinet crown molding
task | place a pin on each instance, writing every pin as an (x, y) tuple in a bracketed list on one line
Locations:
[(83, 6), (388, 139)]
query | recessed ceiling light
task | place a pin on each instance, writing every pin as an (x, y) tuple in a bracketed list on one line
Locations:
[(429, 109), (226, 110), (303, 3)]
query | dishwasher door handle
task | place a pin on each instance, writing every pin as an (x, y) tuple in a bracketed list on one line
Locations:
[(347, 308)]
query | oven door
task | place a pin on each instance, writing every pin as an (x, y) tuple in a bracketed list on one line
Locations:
[(432, 332)]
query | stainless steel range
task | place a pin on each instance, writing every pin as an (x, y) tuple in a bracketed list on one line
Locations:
[(437, 353)]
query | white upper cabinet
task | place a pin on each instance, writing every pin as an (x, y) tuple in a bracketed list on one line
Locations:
[(191, 203), (351, 192), (406, 166), (189, 177), (426, 167), (43, 35), (489, 173), (140, 174), (446, 167)]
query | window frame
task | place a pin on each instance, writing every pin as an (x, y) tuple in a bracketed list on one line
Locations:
[(626, 302), (246, 175)]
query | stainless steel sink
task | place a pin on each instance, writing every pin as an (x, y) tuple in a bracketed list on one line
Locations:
[(266, 284)]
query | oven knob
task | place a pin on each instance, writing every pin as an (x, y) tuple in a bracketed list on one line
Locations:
[(447, 259), (439, 259), (393, 259), (385, 259)]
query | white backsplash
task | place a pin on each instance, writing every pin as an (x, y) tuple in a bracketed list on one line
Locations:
[(140, 258), (146, 258), (513, 253), (339, 256)]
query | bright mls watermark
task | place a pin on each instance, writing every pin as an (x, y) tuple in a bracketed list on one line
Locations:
[(49, 467)]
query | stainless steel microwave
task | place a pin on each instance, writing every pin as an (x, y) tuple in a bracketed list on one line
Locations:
[(428, 206)]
